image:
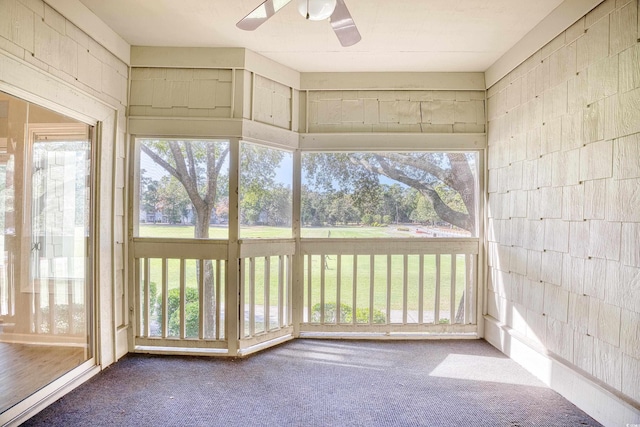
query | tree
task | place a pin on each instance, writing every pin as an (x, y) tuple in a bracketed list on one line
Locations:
[(423, 171), (172, 199), (424, 211), (149, 199), (197, 166), (262, 199), (342, 210), (392, 199), (313, 207)]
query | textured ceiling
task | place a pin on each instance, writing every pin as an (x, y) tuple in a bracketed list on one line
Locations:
[(397, 35)]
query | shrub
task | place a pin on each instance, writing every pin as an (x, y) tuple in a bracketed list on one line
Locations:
[(191, 316), (362, 316), (153, 298), (346, 314), (192, 311)]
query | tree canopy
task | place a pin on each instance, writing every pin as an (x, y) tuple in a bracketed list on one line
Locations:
[(446, 180)]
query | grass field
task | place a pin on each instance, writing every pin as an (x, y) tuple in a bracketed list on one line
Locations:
[(182, 231), (365, 283)]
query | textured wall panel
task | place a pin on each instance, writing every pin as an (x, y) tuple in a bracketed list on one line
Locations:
[(400, 111), (576, 106)]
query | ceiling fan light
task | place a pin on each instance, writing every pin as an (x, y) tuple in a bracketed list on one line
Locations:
[(316, 10)]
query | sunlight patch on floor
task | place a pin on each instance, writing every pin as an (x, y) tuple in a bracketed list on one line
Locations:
[(482, 368)]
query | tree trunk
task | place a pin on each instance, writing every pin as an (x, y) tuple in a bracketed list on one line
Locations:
[(201, 231)]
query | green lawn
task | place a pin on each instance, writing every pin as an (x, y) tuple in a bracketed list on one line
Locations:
[(363, 286), (218, 232)]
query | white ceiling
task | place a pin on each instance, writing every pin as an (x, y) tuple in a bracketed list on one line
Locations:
[(397, 35)]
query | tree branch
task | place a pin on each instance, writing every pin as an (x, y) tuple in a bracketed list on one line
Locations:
[(160, 161), (427, 166), (459, 219), (183, 175), (192, 163), (212, 175)]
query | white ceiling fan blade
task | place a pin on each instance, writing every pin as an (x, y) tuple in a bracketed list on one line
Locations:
[(261, 13), (343, 25)]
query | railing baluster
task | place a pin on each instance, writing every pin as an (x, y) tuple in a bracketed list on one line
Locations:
[(252, 296), (436, 309), (51, 289), (405, 288), (267, 293), (11, 289), (183, 303), (137, 279), (165, 297), (467, 288), (70, 294), (145, 303), (452, 304), (218, 298), (323, 264), (389, 265), (354, 289), (338, 284), (280, 291), (371, 286), (201, 299), (421, 289), (309, 288), (38, 312), (289, 290), (243, 297)]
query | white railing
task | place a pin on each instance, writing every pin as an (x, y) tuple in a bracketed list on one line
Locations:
[(265, 290), (7, 287), (59, 296), (389, 285), (180, 292), (339, 286), (54, 302)]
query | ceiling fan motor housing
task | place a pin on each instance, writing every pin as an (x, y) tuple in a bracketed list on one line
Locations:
[(316, 10)]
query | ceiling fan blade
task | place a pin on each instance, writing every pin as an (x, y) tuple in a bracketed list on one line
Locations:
[(260, 14), (343, 25)]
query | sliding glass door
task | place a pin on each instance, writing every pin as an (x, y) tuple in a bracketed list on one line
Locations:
[(45, 286)]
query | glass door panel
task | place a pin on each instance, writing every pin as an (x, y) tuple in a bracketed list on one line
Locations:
[(45, 286)]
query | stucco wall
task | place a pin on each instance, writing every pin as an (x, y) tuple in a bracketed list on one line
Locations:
[(564, 197)]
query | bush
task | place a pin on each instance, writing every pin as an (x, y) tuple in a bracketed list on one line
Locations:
[(346, 314), (191, 316), (192, 311), (153, 298), (362, 316)]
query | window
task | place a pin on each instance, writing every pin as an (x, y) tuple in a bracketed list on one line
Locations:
[(266, 176), (184, 188), (389, 194)]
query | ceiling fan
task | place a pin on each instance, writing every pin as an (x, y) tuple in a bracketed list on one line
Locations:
[(315, 10)]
